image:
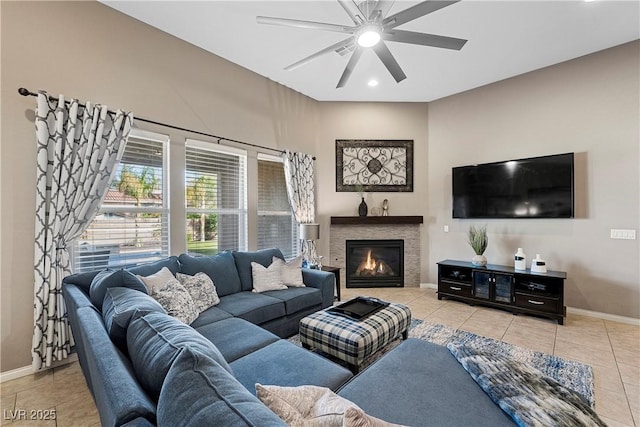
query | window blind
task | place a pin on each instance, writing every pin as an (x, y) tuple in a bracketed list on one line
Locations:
[(216, 198), (276, 224), (131, 226)]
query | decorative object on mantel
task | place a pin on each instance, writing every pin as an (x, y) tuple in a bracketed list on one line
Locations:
[(385, 208), (376, 165), (310, 233), (478, 240), (376, 211), (362, 208)]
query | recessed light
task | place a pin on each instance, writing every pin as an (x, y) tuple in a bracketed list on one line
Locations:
[(373, 83)]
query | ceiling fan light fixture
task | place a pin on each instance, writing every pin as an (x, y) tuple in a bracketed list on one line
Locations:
[(369, 36)]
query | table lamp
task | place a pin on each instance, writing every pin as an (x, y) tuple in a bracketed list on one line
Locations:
[(309, 233)]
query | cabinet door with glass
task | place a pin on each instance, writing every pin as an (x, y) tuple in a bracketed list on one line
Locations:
[(493, 286)]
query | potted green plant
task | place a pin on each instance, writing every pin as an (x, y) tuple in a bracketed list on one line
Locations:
[(478, 240)]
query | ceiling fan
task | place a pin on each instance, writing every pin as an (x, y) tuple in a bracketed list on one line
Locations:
[(371, 29)]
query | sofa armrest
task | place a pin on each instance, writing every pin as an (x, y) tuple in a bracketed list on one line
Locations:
[(321, 280)]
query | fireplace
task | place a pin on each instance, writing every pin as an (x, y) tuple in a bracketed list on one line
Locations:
[(374, 263)]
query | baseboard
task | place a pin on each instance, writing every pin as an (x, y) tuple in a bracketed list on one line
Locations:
[(28, 370), (605, 316), (428, 286), (15, 373)]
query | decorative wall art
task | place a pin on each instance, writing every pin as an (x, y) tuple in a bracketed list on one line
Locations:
[(374, 165)]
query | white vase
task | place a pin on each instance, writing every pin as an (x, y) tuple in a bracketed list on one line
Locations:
[(479, 260), (520, 260)]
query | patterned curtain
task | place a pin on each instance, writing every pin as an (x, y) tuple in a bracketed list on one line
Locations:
[(78, 149), (298, 172)]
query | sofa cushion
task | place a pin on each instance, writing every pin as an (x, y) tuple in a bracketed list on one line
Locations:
[(154, 342), (118, 308), (221, 268), (111, 279), (256, 308), (236, 337), (210, 315), (148, 269), (315, 406), (285, 364), (422, 381), (198, 392), (243, 262), (118, 396), (201, 288), (177, 302), (297, 299), (267, 278)]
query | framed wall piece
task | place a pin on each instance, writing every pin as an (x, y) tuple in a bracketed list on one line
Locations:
[(374, 165)]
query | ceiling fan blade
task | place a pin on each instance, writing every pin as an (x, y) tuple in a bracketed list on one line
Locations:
[(333, 47), (415, 12), (389, 61), (305, 24), (355, 57), (423, 39), (352, 10)]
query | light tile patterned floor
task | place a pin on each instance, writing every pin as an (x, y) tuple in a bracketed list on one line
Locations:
[(611, 348)]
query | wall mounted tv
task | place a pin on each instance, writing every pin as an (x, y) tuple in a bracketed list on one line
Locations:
[(538, 187)]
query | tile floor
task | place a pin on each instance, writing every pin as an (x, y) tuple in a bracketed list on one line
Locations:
[(611, 348)]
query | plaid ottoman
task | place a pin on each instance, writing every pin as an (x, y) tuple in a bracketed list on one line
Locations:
[(354, 341)]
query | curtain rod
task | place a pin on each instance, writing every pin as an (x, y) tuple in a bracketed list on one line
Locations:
[(26, 92)]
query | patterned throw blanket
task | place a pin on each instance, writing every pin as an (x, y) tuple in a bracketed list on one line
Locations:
[(529, 397)]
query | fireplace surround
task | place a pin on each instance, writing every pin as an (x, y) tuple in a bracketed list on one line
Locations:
[(374, 263)]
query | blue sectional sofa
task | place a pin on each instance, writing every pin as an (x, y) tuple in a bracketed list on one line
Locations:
[(147, 368)]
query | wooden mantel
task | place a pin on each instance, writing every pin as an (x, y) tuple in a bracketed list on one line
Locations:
[(370, 220)]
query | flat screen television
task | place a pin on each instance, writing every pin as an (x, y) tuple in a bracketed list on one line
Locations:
[(538, 187)]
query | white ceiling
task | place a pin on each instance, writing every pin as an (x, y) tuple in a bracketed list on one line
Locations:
[(506, 38)]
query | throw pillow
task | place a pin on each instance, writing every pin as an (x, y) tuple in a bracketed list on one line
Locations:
[(292, 272), (201, 288), (311, 406), (267, 278), (157, 281), (176, 301)]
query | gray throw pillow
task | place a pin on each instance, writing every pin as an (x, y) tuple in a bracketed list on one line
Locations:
[(267, 278), (201, 288), (292, 272), (176, 301)]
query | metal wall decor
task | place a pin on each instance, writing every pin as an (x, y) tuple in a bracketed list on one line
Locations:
[(375, 165)]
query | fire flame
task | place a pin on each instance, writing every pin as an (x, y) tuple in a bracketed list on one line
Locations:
[(370, 263)]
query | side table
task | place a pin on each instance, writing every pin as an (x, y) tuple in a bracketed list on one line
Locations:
[(336, 272)]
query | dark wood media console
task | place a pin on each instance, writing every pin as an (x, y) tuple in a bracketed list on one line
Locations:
[(519, 291)]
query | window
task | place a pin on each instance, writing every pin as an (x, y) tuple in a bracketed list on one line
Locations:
[(276, 225), (216, 196), (131, 226)]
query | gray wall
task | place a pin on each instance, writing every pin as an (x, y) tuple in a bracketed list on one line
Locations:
[(89, 51)]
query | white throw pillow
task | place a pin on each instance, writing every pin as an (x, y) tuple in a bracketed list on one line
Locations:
[(292, 272), (157, 281), (176, 301), (201, 288), (311, 406), (267, 278)]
